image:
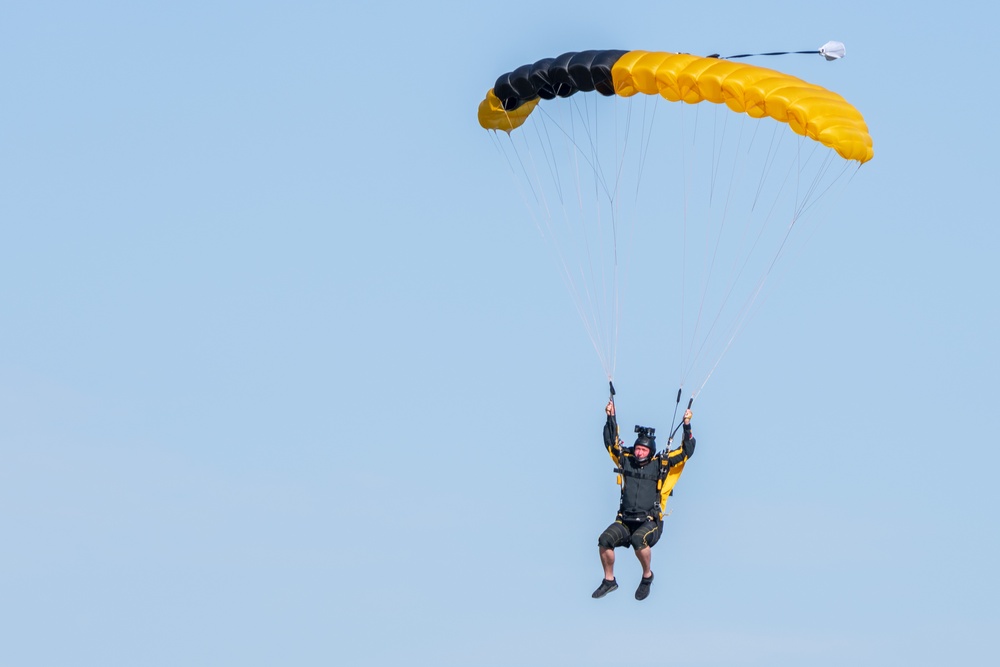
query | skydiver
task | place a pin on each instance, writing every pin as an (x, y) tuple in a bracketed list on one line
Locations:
[(646, 478)]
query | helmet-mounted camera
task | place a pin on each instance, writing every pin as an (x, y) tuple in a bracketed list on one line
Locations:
[(646, 432)]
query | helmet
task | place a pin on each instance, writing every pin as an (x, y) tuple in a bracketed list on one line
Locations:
[(647, 439)]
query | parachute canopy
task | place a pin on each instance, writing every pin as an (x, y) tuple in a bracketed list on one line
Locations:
[(689, 205), (810, 110)]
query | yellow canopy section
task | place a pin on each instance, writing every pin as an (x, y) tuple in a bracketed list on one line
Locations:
[(810, 110), (492, 115)]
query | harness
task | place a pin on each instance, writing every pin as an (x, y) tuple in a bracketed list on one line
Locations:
[(648, 481)]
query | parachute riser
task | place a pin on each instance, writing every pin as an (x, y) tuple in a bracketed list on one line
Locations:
[(673, 430)]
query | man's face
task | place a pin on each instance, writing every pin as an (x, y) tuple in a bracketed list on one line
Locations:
[(641, 451)]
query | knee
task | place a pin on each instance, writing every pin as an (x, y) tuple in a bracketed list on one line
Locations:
[(643, 539), (606, 541), (613, 536)]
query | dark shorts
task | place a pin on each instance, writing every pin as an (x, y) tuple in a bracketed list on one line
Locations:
[(635, 534)]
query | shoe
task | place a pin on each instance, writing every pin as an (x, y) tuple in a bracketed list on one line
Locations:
[(605, 588), (642, 592)]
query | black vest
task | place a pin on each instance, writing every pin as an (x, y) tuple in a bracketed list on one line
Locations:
[(640, 495)]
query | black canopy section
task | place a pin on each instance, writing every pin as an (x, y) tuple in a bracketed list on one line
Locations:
[(577, 71)]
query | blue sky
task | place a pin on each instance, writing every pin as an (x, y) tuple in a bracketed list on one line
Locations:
[(288, 381)]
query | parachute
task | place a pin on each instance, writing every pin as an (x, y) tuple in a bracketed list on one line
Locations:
[(707, 194)]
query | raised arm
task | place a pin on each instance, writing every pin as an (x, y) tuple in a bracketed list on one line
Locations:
[(686, 450), (673, 462), (611, 432)]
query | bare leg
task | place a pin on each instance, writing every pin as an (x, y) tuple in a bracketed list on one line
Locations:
[(645, 555), (608, 562)]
